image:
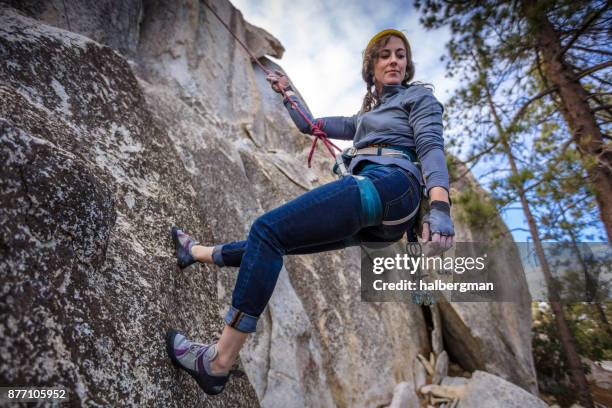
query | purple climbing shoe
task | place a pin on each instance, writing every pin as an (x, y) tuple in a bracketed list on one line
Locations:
[(195, 358), (183, 244)]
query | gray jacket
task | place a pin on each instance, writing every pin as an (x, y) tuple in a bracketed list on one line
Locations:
[(408, 116)]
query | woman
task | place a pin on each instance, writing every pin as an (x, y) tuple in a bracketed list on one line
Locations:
[(397, 124)]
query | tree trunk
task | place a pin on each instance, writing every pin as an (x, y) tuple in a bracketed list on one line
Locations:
[(565, 336), (590, 281), (575, 109), (591, 284), (603, 320)]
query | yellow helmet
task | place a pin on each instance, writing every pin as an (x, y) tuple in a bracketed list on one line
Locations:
[(385, 32)]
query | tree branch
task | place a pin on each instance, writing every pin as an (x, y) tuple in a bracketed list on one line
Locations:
[(481, 153), (566, 208), (603, 81), (581, 30), (602, 108), (519, 229), (512, 209), (602, 104), (602, 52), (551, 162), (594, 68), (596, 94), (517, 116), (468, 169)]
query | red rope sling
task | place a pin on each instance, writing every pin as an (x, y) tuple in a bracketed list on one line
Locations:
[(316, 130)]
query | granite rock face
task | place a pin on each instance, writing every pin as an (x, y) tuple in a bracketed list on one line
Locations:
[(486, 390), (90, 186), (118, 122)]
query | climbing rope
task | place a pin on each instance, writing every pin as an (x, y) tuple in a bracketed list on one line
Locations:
[(316, 128)]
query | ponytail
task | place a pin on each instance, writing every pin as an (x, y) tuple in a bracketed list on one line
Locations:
[(369, 100)]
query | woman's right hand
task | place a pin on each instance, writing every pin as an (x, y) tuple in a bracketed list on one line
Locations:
[(278, 81)]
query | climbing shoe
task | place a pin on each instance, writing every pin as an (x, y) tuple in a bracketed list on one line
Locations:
[(183, 244), (195, 358)]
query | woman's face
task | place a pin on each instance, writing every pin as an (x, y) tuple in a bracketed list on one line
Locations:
[(390, 66)]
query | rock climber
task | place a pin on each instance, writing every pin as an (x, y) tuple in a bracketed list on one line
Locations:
[(398, 127)]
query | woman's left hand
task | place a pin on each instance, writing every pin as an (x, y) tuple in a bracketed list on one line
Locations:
[(438, 226)]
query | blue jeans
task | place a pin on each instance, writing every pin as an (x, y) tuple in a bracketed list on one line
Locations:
[(326, 218)]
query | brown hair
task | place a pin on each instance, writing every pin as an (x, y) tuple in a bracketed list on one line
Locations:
[(370, 56)]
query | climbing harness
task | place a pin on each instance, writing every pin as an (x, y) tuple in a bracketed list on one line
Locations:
[(316, 128), (372, 205), (344, 158), (370, 199)]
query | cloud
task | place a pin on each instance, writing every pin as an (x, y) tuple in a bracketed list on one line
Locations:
[(324, 42)]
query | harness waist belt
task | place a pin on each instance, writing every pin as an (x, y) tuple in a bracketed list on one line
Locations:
[(383, 151)]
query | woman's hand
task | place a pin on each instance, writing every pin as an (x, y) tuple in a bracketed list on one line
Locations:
[(438, 226), (278, 81)]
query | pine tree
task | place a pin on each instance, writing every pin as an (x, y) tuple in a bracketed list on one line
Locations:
[(562, 73), (496, 111), (557, 45)]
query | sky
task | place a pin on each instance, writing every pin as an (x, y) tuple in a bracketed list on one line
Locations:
[(324, 41)]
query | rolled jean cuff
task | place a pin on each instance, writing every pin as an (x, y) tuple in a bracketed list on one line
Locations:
[(217, 256), (240, 320)]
